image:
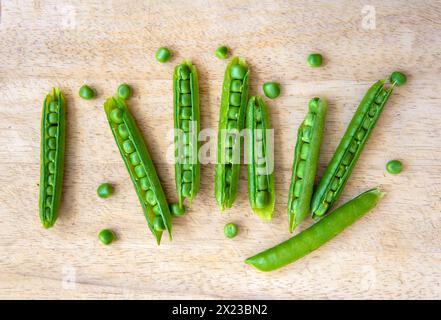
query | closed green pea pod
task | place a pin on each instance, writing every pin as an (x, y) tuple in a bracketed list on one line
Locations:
[(350, 148), (186, 118), (226, 189), (318, 234), (139, 165), (305, 163), (53, 128), (261, 191)]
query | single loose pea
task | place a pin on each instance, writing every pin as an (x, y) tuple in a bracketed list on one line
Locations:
[(221, 52), (124, 91), (116, 115), (163, 54), (230, 230), (238, 71), (315, 60), (271, 89), (394, 166), (87, 92), (106, 236), (176, 210), (104, 190), (398, 78)]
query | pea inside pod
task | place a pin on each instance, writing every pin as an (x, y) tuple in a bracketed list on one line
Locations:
[(53, 128), (231, 122), (140, 167), (348, 151), (261, 192), (187, 126), (306, 155)]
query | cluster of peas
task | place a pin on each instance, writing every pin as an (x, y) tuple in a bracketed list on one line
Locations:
[(262, 195), (237, 74), (51, 147), (185, 116), (116, 116)]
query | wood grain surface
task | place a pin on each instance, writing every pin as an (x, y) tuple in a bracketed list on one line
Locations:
[(394, 252)]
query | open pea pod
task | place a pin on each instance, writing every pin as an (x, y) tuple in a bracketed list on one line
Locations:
[(261, 191), (53, 133), (231, 122), (304, 168), (140, 167), (187, 126), (348, 151)]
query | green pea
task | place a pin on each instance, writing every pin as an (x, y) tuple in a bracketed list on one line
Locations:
[(124, 91), (163, 54), (52, 143), (87, 92), (262, 198), (398, 78), (186, 100), (156, 210), (238, 71), (51, 167), (144, 183), (128, 146), (233, 113), (50, 190), (232, 124), (104, 190), (185, 125), (134, 158), (158, 224), (186, 190), (394, 166), (298, 188), (139, 171), (184, 86), (187, 176), (184, 72), (150, 197), (52, 118), (106, 236), (262, 182), (185, 138), (176, 210), (53, 106), (304, 151), (123, 132), (236, 86), (301, 168), (235, 99), (221, 52), (116, 115), (51, 155), (258, 114), (315, 60), (230, 230), (52, 131), (271, 89), (186, 113), (48, 201), (51, 179)]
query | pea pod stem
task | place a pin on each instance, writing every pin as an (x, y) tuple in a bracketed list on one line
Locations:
[(140, 166), (53, 133), (306, 155), (231, 122), (261, 191), (187, 126), (348, 151), (318, 234)]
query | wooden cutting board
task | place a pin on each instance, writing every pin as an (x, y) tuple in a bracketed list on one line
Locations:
[(394, 252)]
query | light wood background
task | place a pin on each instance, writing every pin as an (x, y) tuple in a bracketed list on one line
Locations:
[(394, 252)]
